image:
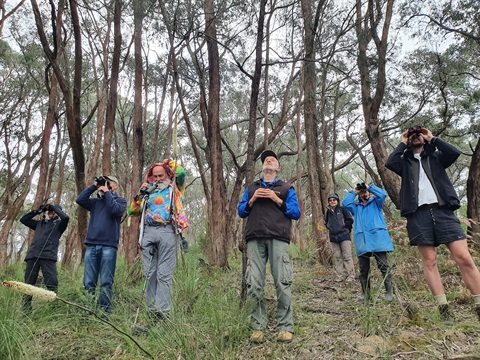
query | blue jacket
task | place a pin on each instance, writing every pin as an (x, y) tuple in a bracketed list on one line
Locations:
[(370, 233), (105, 216)]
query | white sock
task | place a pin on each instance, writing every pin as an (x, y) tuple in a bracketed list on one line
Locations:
[(442, 299), (476, 299)]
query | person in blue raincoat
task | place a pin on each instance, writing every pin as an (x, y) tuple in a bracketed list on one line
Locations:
[(370, 234)]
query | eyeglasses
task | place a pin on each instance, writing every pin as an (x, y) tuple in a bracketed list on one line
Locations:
[(330, 200)]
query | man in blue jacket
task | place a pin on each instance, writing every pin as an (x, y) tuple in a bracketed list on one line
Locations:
[(270, 205), (370, 234), (428, 200), (106, 210), (42, 253)]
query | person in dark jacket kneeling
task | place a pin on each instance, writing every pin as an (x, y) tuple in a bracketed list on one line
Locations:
[(42, 253), (339, 221)]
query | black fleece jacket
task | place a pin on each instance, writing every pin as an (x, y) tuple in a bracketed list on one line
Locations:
[(435, 158)]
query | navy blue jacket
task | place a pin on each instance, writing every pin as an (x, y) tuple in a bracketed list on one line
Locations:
[(105, 216)]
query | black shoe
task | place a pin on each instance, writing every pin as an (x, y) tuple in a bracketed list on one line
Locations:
[(159, 316), (140, 329), (477, 311), (445, 313)]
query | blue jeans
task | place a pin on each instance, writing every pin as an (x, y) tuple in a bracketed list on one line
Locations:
[(100, 261)]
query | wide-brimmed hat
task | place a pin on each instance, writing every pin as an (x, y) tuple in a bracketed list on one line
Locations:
[(267, 153)]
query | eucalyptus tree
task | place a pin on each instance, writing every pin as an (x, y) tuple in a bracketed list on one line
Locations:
[(65, 23), (458, 22), (22, 97), (372, 27)]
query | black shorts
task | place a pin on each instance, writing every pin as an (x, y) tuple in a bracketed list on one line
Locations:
[(433, 225)]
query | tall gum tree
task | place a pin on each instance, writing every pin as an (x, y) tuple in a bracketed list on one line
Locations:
[(316, 178), (367, 28), (216, 247), (71, 97)]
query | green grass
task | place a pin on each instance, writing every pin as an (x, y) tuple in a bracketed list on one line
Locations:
[(208, 322)]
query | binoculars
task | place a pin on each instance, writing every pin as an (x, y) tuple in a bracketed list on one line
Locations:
[(361, 186), (417, 130)]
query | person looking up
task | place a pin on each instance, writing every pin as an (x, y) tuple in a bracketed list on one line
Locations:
[(270, 205)]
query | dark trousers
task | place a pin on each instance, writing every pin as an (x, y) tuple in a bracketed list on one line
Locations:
[(49, 272), (382, 264)]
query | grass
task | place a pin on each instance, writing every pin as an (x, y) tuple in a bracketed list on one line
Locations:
[(208, 322)]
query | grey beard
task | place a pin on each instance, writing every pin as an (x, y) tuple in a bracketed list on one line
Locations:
[(163, 185), (269, 171)]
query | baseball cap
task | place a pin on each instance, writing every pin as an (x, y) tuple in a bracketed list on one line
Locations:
[(112, 178), (267, 153)]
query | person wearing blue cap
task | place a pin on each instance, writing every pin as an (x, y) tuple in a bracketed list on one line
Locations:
[(270, 205)]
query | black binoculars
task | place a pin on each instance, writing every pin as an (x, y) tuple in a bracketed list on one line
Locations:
[(417, 130), (147, 190), (100, 180), (361, 186)]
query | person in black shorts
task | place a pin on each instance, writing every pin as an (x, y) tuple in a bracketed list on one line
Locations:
[(427, 200)]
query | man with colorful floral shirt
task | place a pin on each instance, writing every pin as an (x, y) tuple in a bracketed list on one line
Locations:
[(160, 203)]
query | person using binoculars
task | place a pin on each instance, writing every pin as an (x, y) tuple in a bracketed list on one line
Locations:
[(428, 201), (370, 234), (42, 252), (160, 204), (106, 211)]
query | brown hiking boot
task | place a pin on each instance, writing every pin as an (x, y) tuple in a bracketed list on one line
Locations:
[(284, 336), (257, 336)]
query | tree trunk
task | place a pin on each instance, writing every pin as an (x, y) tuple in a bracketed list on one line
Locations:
[(366, 28), (316, 179), (473, 195), (216, 249), (71, 98), (113, 89)]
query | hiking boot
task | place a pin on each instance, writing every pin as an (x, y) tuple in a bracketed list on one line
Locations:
[(477, 310), (257, 336), (388, 297), (160, 317), (140, 329), (284, 336), (445, 313)]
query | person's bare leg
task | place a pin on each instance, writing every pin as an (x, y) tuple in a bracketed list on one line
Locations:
[(430, 269), (462, 257)]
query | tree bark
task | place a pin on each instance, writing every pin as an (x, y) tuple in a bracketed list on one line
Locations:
[(71, 98), (216, 248), (131, 235), (366, 30), (316, 179), (473, 196)]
